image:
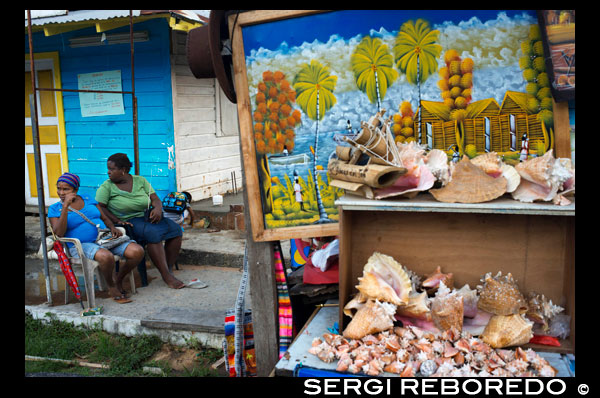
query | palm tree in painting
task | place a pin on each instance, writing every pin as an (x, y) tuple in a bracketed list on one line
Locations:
[(314, 94), (416, 52), (373, 68)]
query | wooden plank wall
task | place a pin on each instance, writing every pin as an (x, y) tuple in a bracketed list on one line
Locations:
[(206, 130)]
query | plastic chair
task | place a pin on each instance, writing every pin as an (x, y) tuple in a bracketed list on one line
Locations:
[(88, 267)]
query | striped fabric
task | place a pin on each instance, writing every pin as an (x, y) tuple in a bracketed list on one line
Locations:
[(285, 307)]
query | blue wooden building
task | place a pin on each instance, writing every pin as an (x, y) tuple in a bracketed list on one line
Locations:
[(70, 48)]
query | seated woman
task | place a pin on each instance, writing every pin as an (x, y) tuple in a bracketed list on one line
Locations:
[(124, 198), (67, 223)]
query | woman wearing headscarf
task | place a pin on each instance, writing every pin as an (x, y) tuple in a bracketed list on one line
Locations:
[(67, 223), (125, 198)]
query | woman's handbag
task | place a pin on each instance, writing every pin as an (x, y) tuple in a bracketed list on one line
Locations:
[(105, 239)]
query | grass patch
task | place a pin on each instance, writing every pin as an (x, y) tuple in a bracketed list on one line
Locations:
[(125, 356)]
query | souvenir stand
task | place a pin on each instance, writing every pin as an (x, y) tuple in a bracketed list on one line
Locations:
[(438, 190)]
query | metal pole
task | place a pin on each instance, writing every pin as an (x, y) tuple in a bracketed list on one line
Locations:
[(136, 154), (38, 163)]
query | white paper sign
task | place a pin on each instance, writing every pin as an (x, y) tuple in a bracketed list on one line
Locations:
[(100, 104)]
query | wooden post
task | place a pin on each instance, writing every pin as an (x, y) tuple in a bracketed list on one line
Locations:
[(562, 130), (263, 294)]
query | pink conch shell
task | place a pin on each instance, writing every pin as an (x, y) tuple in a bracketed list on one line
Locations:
[(500, 295), (447, 309), (507, 330), (537, 170), (490, 163), (541, 310), (385, 279), (355, 304), (470, 299), (417, 178), (470, 184), (417, 307), (513, 178), (432, 282), (544, 178), (374, 317), (437, 162)]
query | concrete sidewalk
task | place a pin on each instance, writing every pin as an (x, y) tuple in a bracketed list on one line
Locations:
[(175, 315)]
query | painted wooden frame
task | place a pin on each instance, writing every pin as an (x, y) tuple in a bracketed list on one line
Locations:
[(236, 23), (249, 159)]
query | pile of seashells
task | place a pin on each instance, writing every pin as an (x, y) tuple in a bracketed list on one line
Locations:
[(411, 351), (445, 331)]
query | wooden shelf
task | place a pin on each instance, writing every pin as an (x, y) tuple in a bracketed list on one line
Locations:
[(425, 202), (535, 242)]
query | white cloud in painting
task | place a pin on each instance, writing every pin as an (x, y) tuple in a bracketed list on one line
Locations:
[(493, 45)]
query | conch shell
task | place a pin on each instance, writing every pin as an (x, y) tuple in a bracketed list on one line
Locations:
[(437, 162), (447, 309), (470, 299), (385, 279), (500, 295), (432, 282), (507, 330), (372, 318), (544, 178), (541, 310), (417, 307), (513, 178), (490, 163), (470, 184), (355, 304)]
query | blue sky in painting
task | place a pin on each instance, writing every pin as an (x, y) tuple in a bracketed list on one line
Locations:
[(349, 23)]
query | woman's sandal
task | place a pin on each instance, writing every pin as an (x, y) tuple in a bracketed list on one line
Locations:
[(122, 299)]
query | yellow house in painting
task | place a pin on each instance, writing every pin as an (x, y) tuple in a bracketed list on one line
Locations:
[(488, 125)]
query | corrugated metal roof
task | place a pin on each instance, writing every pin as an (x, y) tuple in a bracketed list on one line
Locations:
[(99, 15)]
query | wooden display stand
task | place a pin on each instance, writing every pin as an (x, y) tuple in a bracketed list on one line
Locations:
[(535, 242)]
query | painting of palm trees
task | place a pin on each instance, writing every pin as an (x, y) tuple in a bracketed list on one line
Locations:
[(373, 67), (314, 87), (416, 53)]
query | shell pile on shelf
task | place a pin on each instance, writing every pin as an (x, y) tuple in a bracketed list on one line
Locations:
[(444, 331)]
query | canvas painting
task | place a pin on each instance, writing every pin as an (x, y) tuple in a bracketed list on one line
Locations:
[(474, 79)]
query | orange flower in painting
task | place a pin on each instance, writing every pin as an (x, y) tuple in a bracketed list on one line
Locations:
[(297, 115), (279, 147), (278, 76), (260, 97), (258, 127), (272, 143), (258, 117), (283, 123), (292, 121), (285, 110), (262, 87), (285, 85), (280, 138), (274, 118), (273, 92), (282, 98), (260, 146), (289, 134), (267, 75), (262, 108), (258, 137), (292, 96), (274, 106)]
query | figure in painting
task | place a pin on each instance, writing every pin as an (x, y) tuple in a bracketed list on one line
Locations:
[(298, 191)]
